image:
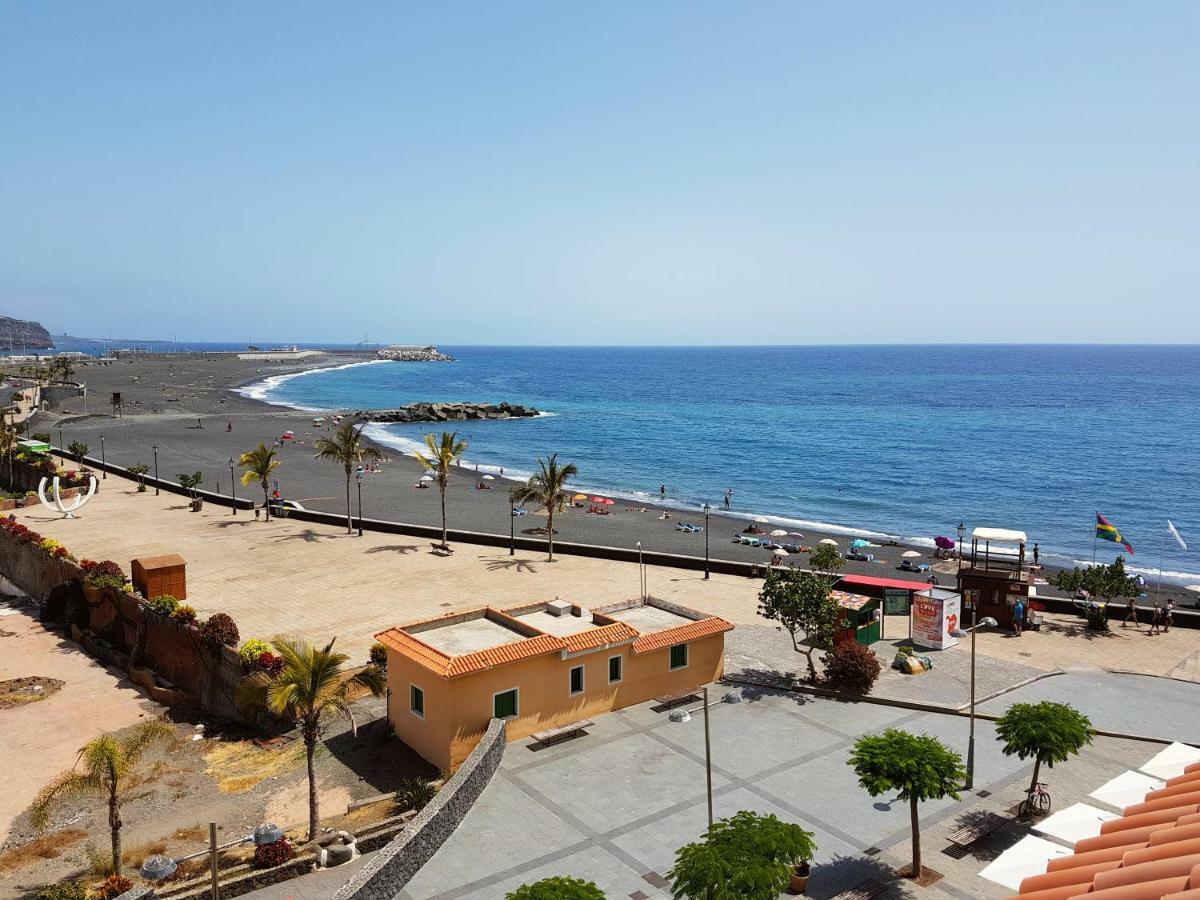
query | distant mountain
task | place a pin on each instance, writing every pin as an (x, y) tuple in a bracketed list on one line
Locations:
[(20, 334)]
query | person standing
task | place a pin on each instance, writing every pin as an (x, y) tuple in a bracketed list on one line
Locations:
[(1035, 553), (1156, 620), (662, 491), (1168, 615), (1018, 617), (728, 496), (1130, 613)]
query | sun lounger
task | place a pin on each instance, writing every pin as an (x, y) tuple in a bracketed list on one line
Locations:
[(981, 827)]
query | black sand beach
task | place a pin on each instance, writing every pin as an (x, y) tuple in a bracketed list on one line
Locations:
[(186, 403)]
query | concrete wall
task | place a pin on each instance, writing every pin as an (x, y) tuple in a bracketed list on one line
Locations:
[(393, 867), (457, 710)]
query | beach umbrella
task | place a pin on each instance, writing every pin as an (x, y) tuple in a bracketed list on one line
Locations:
[(910, 554), (795, 534), (597, 499), (761, 520), (780, 552), (859, 542), (830, 541), (579, 497), (488, 478), (1194, 587), (607, 501), (778, 532), (427, 478)]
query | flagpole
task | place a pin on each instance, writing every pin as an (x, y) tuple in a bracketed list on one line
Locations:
[(1162, 552)]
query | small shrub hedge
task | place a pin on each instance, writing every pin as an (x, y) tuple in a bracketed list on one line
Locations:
[(164, 604), (220, 631), (112, 887), (559, 887), (68, 890), (268, 856), (414, 794), (185, 614), (851, 667), (103, 574), (251, 651), (379, 655)]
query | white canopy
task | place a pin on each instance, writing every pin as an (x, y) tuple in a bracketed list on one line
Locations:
[(1073, 824), (1171, 761), (1026, 857), (1126, 789), (1004, 535)]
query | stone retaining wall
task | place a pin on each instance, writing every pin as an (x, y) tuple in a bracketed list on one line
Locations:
[(393, 867)]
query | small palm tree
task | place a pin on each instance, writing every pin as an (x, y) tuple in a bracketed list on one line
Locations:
[(259, 464), (547, 488), (348, 449), (108, 762), (312, 683), (443, 453), (8, 443)]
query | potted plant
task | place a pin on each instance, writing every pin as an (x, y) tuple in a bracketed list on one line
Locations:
[(99, 575), (190, 483), (798, 877)]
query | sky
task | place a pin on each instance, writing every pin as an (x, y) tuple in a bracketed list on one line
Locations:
[(603, 173)]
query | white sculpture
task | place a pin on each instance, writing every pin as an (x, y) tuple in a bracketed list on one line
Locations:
[(76, 502)]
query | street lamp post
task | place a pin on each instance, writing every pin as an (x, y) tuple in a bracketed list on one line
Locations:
[(962, 533), (232, 485), (707, 511), (155, 448), (61, 445), (512, 525), (358, 475), (641, 572), (103, 458), (987, 622)]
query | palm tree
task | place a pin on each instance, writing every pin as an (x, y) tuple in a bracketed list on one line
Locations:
[(259, 463), (108, 762), (444, 452), (8, 443), (347, 448), (311, 684), (547, 488)]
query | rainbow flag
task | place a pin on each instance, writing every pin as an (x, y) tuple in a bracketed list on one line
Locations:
[(1107, 531)]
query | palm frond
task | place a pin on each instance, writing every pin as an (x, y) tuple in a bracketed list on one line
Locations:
[(67, 786), (141, 740)]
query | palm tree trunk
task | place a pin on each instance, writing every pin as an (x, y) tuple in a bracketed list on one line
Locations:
[(445, 542), (314, 817), (1037, 765), (349, 516), (550, 529), (266, 501), (114, 826), (916, 842)]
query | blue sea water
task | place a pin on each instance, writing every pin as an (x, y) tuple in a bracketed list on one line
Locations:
[(904, 441)]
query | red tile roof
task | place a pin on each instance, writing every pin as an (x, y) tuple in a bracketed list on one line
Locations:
[(1151, 852), (692, 631), (604, 636)]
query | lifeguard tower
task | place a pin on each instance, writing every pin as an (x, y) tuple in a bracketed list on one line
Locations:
[(994, 574)]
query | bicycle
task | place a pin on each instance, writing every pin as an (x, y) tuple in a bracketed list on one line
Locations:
[(1037, 800)]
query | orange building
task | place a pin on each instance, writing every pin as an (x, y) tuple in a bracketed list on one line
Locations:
[(540, 666)]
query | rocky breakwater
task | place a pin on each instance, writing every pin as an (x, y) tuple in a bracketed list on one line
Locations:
[(447, 412), (399, 353)]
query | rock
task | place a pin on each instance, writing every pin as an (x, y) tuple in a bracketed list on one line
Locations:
[(446, 412), (400, 353)]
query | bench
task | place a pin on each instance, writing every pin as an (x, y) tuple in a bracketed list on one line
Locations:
[(984, 825), (872, 887), (562, 732), (670, 701)]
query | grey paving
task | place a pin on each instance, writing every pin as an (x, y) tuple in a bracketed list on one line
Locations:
[(1130, 704)]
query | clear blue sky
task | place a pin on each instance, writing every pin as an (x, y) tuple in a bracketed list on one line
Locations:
[(599, 173)]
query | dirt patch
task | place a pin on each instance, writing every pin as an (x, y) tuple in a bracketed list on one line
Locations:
[(31, 689), (240, 766), (49, 847)]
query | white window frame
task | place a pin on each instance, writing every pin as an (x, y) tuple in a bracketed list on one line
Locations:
[(420, 715), (512, 690), (582, 680), (621, 674), (687, 655)]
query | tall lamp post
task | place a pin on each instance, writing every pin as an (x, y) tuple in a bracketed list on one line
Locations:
[(232, 485), (707, 511), (61, 445), (358, 474), (641, 572), (986, 622), (962, 534), (512, 524), (103, 458), (155, 449)]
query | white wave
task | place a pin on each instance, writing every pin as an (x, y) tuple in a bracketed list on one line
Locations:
[(262, 390)]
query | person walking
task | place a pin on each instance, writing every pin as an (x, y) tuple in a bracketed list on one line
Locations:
[(728, 496), (1130, 613), (1018, 617), (1156, 620), (1168, 615)]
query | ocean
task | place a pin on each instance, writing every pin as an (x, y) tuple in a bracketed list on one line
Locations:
[(903, 441)]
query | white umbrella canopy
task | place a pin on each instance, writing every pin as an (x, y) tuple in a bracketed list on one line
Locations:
[(488, 478), (778, 532), (779, 552), (761, 520), (1194, 587), (830, 541), (910, 554), (427, 478)]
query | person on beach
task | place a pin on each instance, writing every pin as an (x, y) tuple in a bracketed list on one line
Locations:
[(1156, 620), (1130, 613), (728, 496), (1168, 615), (1035, 553), (662, 490), (1018, 617)]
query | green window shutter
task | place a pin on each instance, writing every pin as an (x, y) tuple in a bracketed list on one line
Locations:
[(417, 697), (679, 656), (505, 705), (614, 668)]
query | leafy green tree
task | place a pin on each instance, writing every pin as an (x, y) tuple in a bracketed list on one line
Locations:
[(108, 763), (1048, 732), (443, 453), (190, 483), (825, 558), (78, 448), (312, 684), (744, 857), (1107, 583), (138, 471), (547, 487), (801, 604), (348, 449), (259, 464), (919, 767), (559, 887)]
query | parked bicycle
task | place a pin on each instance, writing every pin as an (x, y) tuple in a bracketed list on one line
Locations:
[(1037, 800)]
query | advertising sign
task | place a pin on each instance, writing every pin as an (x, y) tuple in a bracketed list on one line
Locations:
[(895, 601), (936, 615)]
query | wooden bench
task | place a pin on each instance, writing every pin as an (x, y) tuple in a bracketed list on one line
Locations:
[(872, 887), (669, 701), (562, 732), (984, 825)]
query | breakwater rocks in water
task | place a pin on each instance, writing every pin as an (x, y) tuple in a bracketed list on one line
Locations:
[(447, 412), (398, 353)]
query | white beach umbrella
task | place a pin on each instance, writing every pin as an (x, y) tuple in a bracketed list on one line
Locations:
[(427, 478), (780, 552), (830, 541), (778, 532), (761, 520), (488, 478), (1194, 587), (910, 554)]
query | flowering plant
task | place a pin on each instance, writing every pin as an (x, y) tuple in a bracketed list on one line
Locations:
[(103, 574)]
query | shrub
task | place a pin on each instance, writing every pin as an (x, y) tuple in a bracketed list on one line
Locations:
[(68, 890), (851, 667), (77, 448), (43, 436), (560, 887), (251, 651), (54, 548), (185, 614), (112, 887), (103, 574), (271, 663), (414, 794), (268, 856), (379, 655), (164, 604), (220, 631)]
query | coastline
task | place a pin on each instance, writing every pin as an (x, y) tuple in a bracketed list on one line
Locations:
[(166, 401)]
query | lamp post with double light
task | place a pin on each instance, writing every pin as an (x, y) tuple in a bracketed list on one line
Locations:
[(976, 623)]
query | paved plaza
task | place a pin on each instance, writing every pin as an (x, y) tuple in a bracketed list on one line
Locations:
[(615, 805)]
